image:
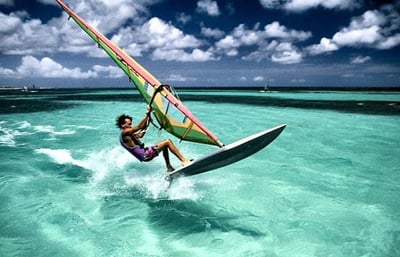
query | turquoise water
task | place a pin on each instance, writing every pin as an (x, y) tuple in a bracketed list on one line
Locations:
[(328, 186)]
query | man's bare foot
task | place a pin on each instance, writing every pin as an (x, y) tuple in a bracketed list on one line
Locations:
[(186, 162), (170, 169)]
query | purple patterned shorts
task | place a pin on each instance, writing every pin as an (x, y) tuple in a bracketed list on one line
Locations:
[(150, 153)]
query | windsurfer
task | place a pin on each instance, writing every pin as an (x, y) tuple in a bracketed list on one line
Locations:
[(129, 139)]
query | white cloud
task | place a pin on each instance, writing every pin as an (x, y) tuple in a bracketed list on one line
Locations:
[(286, 53), (389, 42), (264, 51), (47, 68), (163, 40), (325, 45), (373, 29), (241, 36), (209, 7), (126, 39), (183, 18), (357, 37), (64, 35), (258, 78), (9, 23), (246, 36), (280, 49), (108, 16), (368, 19), (160, 34), (108, 71), (155, 34), (360, 59), (7, 2), (228, 44), (303, 5), (363, 30), (22, 35), (7, 73), (275, 30), (198, 55), (25, 37), (271, 4), (178, 78), (180, 55), (232, 52), (215, 33)]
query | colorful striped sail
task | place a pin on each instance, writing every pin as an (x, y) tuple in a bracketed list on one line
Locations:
[(170, 113)]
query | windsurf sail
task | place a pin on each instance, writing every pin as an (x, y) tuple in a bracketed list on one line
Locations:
[(169, 111)]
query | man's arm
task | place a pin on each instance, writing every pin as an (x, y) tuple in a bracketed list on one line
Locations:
[(143, 124), (136, 129), (140, 129)]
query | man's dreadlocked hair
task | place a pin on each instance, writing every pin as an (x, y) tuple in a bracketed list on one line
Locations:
[(121, 120)]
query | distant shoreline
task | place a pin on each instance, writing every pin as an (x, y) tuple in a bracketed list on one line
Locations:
[(296, 88), (222, 88)]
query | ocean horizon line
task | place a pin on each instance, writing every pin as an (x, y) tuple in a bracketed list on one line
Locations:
[(239, 88)]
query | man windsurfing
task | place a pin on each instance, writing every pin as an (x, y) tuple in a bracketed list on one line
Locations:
[(130, 140)]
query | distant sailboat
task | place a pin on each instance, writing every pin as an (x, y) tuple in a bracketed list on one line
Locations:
[(266, 88)]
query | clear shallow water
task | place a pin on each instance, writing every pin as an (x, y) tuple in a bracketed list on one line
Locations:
[(328, 186)]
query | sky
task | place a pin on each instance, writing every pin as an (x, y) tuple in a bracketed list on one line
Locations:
[(233, 43)]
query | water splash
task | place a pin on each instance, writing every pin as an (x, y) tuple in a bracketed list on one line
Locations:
[(154, 186), (60, 156), (8, 133), (51, 130), (115, 172)]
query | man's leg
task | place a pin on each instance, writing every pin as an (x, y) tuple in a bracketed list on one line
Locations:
[(169, 145), (167, 162)]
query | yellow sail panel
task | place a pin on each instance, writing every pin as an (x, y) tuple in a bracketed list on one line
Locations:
[(177, 122)]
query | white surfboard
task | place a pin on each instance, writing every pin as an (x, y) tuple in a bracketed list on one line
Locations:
[(229, 154)]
